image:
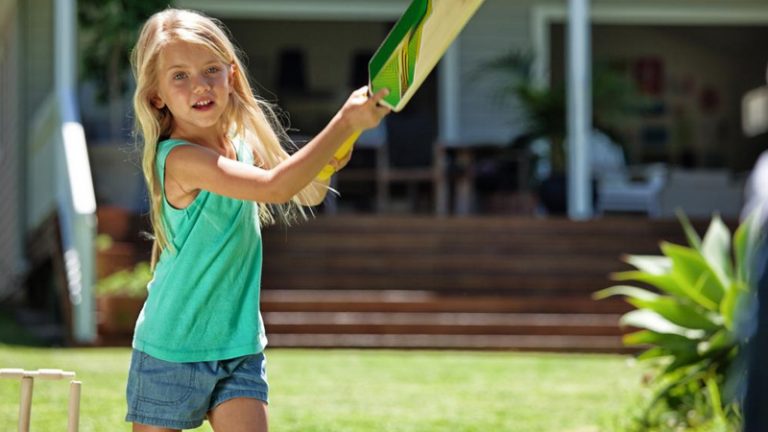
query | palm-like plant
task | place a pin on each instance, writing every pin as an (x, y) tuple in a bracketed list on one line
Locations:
[(543, 108), (689, 324)]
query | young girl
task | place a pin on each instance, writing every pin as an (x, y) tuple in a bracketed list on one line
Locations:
[(216, 171)]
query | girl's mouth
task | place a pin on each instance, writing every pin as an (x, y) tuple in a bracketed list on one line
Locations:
[(203, 105)]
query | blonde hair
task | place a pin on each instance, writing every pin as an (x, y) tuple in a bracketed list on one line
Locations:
[(247, 117)]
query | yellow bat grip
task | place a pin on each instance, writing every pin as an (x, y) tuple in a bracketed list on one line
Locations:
[(342, 151)]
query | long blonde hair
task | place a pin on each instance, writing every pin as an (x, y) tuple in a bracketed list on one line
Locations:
[(247, 116)]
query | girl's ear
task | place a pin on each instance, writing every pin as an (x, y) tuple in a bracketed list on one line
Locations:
[(231, 76), (157, 102)]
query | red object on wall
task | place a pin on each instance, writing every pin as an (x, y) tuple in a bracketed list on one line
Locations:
[(709, 100), (649, 75)]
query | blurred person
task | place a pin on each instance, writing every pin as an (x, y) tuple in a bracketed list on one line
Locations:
[(756, 316)]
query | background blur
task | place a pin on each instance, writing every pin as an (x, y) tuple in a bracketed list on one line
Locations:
[(449, 199)]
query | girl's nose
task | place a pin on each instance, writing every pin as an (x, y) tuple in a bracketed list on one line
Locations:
[(201, 85)]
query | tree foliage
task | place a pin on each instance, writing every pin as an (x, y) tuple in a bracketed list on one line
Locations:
[(108, 31)]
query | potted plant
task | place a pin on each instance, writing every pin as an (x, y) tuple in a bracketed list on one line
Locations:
[(119, 299), (542, 112), (689, 326)]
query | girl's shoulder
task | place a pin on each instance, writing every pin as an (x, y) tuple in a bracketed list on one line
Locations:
[(164, 147), (170, 143)]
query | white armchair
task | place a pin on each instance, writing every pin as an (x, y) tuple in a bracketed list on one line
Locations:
[(621, 188), (630, 192)]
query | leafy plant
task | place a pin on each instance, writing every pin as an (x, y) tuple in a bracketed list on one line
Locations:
[(544, 107), (104, 242), (108, 29), (689, 325), (131, 283)]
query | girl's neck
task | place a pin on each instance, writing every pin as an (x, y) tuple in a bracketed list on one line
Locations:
[(215, 141)]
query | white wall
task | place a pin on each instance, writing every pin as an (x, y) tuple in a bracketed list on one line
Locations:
[(499, 27), (40, 172), (10, 213), (40, 111), (333, 10)]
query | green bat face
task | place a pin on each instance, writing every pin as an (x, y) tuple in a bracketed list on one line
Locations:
[(393, 65)]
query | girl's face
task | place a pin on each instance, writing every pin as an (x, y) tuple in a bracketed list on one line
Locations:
[(195, 85)]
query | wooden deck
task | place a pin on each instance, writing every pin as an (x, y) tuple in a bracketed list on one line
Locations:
[(451, 283)]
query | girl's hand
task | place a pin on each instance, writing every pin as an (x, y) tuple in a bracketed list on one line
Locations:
[(362, 112), (339, 164)]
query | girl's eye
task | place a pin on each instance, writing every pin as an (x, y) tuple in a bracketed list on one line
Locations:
[(179, 76), (213, 69)]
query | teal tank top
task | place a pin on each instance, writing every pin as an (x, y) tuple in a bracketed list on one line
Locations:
[(203, 301)]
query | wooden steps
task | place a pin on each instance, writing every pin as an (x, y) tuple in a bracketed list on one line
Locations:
[(451, 283), (420, 320), (594, 344), (424, 301)]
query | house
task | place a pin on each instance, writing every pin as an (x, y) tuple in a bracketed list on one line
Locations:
[(692, 59), (47, 222)]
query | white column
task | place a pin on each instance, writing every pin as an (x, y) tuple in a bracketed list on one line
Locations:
[(65, 32), (579, 110), (75, 195), (448, 117), (449, 95)]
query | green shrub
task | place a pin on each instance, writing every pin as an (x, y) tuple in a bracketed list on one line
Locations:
[(132, 283), (687, 324)]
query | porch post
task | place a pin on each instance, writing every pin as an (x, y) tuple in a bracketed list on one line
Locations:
[(449, 103), (579, 110), (448, 116), (75, 194)]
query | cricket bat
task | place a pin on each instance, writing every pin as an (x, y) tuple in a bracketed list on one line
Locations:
[(409, 53)]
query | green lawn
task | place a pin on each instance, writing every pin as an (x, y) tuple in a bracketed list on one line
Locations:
[(349, 390)]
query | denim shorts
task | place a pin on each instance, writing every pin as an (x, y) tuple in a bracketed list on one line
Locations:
[(180, 395)]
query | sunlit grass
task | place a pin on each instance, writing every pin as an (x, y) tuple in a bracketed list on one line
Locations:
[(348, 390)]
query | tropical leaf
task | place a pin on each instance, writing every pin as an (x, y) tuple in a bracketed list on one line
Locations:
[(716, 249), (665, 343), (719, 341), (728, 307), (650, 320), (715, 400), (677, 312), (691, 269), (687, 363), (664, 282), (651, 353), (693, 237), (656, 265), (744, 244), (625, 290)]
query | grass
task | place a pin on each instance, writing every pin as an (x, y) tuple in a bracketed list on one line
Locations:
[(351, 390)]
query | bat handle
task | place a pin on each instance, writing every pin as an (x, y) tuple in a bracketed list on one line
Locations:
[(341, 152)]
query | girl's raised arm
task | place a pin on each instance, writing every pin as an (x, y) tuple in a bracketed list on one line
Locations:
[(192, 168)]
